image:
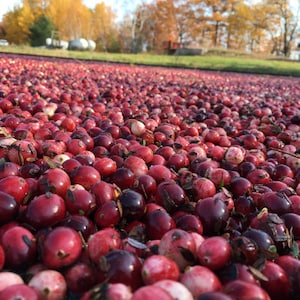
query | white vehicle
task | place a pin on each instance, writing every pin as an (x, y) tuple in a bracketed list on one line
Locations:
[(4, 43)]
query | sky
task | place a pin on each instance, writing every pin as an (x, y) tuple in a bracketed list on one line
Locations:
[(119, 6)]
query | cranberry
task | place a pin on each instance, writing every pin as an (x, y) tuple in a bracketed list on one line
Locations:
[(50, 284), (123, 178), (133, 204), (136, 164), (22, 151), (80, 277), (259, 176), (55, 181), (170, 196), (9, 278), (108, 215), (148, 292), (80, 202), (105, 166), (263, 240), (82, 224), (239, 289), (240, 186), (103, 241), (158, 222), (146, 185), (15, 186), (180, 246), (9, 208), (213, 214), (291, 266), (202, 188), (121, 266), (160, 173), (276, 202), (292, 223), (85, 176), (45, 210), (23, 243), (200, 280), (277, 284), (158, 267), (19, 291), (103, 192), (8, 168), (190, 223), (61, 247), (214, 252)]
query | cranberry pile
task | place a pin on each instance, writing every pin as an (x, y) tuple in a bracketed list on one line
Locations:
[(127, 182)]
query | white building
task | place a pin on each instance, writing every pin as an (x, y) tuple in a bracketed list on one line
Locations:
[(295, 52)]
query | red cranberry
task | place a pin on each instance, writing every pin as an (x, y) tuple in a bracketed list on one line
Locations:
[(45, 210), (180, 246), (214, 252), (213, 214), (61, 247), (158, 267), (121, 266), (85, 176), (200, 280), (55, 181), (24, 244), (101, 242), (19, 291), (158, 222), (170, 196), (133, 204)]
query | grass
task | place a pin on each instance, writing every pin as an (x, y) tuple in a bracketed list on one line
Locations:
[(212, 60)]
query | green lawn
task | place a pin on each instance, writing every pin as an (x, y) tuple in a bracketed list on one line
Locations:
[(227, 61)]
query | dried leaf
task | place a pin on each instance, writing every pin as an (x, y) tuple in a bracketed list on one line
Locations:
[(27, 240), (257, 274), (136, 244), (187, 254)]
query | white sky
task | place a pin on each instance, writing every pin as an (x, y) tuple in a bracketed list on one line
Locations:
[(119, 6)]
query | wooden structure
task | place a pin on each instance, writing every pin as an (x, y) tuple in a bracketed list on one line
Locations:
[(170, 47)]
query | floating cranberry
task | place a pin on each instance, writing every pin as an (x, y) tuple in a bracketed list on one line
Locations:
[(121, 266), (213, 214), (61, 247)]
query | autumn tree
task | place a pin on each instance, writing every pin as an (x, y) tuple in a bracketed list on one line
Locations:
[(262, 22), (239, 27), (289, 19), (164, 23), (169, 21), (17, 23), (71, 18), (103, 27), (2, 31)]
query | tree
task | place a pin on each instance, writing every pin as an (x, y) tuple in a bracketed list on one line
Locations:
[(137, 29), (71, 18), (2, 31), (262, 22), (40, 30), (104, 27), (17, 22), (289, 23), (239, 27), (170, 21)]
